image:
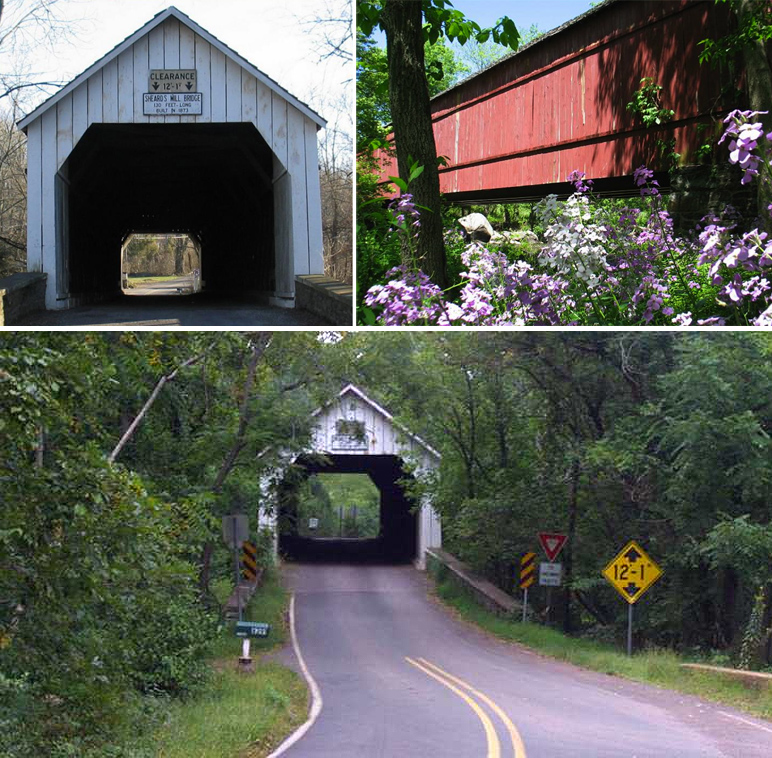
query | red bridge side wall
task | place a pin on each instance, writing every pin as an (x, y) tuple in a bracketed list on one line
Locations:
[(560, 104)]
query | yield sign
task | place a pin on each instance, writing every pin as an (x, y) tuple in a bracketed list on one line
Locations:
[(552, 543)]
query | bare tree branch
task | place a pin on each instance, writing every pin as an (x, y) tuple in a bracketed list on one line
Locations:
[(28, 85), (153, 395), (259, 346)]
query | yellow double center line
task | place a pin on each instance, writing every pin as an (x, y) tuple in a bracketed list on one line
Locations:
[(450, 681)]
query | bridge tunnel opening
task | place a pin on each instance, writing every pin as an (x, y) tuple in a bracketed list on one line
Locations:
[(164, 265), (393, 540), (210, 182)]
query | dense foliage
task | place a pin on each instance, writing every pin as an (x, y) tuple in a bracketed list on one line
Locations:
[(105, 566), (606, 437), (343, 505), (107, 551)]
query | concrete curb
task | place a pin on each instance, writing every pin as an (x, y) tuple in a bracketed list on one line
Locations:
[(487, 593), (21, 294), (246, 590), (757, 679), (325, 297)]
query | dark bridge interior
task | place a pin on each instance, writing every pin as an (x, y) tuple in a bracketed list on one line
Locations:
[(213, 181), (398, 539)]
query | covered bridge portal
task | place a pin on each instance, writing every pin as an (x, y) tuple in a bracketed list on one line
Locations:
[(172, 131), (354, 434), (517, 129)]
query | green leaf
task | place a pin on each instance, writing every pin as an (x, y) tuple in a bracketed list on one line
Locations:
[(401, 183), (415, 172)]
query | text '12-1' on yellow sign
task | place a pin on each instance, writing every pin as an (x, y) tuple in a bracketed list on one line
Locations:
[(632, 572)]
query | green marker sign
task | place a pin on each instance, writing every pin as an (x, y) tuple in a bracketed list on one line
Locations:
[(252, 629)]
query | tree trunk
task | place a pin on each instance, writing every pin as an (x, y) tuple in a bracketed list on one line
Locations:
[(728, 605), (568, 556), (412, 121), (180, 246), (259, 346)]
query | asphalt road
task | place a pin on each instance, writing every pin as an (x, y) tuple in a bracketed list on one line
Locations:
[(167, 286), (176, 311), (400, 677)]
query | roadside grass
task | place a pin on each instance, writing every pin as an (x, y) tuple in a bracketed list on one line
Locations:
[(655, 666), (239, 715)]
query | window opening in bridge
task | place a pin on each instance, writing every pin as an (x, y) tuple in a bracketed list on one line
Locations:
[(333, 506), (161, 264)]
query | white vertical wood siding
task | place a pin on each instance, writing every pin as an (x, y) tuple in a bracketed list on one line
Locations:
[(383, 436), (113, 94)]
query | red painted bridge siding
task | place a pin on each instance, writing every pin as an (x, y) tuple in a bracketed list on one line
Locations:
[(559, 105)]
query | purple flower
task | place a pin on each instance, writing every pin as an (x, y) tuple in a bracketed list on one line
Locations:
[(404, 213), (744, 135), (764, 319), (577, 178), (712, 321), (683, 319)]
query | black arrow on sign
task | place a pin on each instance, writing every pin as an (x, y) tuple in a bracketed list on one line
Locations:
[(631, 589), (189, 85), (632, 555), (155, 85)]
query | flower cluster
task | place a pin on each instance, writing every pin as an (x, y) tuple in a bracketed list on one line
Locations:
[(599, 263), (645, 181), (745, 136), (405, 216), (580, 181), (575, 243), (409, 297)]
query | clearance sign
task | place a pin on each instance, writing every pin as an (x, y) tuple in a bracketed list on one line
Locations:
[(632, 572)]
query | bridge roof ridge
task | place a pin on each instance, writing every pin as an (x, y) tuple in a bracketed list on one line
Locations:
[(543, 38), (353, 389), (157, 20)]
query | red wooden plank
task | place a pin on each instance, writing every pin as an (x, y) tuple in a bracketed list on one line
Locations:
[(560, 104)]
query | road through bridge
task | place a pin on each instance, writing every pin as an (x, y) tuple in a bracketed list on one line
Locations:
[(517, 129), (398, 675)]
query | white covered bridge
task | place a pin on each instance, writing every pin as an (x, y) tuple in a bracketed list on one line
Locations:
[(172, 131), (353, 434)]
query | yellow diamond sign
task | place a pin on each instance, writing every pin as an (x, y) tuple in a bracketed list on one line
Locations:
[(632, 572)]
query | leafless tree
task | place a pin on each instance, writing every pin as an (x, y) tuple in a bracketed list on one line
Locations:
[(336, 163), (332, 28), (13, 198), (25, 27)]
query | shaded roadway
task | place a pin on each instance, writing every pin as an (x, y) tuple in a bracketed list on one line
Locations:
[(172, 310), (357, 625)]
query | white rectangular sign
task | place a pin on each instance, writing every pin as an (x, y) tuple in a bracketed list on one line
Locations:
[(235, 529), (172, 80), (176, 104), (550, 574)]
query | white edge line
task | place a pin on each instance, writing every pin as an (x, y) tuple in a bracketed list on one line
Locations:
[(746, 721), (316, 695)]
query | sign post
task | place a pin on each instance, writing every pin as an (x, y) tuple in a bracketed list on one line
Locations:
[(235, 530), (550, 573), (527, 570), (631, 573)]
